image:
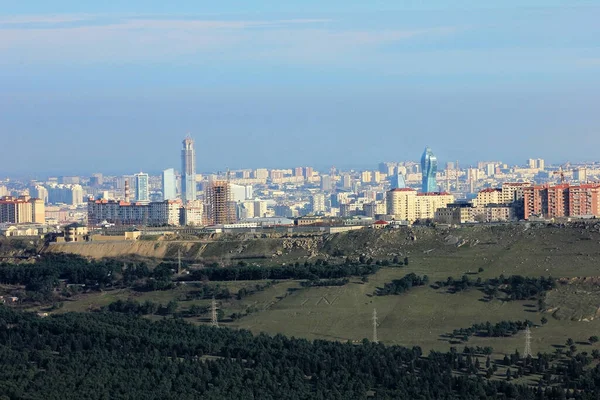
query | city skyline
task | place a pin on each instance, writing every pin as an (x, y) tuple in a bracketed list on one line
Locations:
[(296, 84)]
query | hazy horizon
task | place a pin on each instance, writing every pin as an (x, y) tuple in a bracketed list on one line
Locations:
[(116, 87)]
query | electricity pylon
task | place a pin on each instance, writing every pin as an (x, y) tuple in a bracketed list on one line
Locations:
[(375, 340), (214, 319), (527, 351)]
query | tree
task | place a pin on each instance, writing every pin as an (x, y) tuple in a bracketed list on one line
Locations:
[(570, 342), (171, 307), (480, 270), (508, 374), (405, 260), (544, 320), (593, 339)]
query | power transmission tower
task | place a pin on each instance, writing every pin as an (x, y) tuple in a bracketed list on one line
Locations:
[(375, 340), (214, 319), (527, 351)]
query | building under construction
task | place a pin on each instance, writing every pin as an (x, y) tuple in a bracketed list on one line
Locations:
[(220, 205)]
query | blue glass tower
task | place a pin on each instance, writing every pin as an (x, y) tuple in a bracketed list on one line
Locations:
[(397, 180), (429, 170)]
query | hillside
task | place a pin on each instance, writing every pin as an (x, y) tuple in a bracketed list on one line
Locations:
[(550, 241), (424, 315)]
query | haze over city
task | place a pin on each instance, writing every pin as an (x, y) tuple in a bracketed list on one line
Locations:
[(113, 87)]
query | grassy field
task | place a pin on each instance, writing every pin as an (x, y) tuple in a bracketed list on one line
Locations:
[(422, 315)]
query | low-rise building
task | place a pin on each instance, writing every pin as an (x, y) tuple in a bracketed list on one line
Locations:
[(75, 233)]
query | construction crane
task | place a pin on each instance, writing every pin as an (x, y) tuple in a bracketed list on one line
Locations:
[(560, 172)]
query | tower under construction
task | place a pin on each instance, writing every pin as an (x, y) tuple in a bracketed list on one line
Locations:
[(219, 200)]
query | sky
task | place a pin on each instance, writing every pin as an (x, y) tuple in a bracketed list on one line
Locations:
[(115, 86)]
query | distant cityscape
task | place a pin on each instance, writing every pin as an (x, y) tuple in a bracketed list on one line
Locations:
[(393, 194)]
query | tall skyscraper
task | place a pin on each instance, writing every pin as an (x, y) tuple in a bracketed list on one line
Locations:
[(429, 170), (397, 180), (169, 184), (188, 170), (142, 192)]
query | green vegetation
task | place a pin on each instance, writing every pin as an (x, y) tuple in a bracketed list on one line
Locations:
[(324, 282), (499, 329), (514, 287), (399, 286), (114, 355), (297, 271)]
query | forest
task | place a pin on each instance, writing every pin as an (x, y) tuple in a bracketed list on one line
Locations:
[(113, 355), (52, 271)]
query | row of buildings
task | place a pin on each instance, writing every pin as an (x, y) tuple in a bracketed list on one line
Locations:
[(525, 201)]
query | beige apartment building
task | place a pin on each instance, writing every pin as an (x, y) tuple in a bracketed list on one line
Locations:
[(23, 209), (407, 205)]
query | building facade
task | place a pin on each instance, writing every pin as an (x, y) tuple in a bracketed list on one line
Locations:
[(23, 209), (169, 184), (188, 170), (408, 205), (429, 171), (125, 213), (562, 200), (142, 189)]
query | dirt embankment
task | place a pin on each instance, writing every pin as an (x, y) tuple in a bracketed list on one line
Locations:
[(142, 248), (375, 243)]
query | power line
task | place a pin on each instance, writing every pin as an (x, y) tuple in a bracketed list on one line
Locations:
[(375, 340), (527, 351), (214, 319)]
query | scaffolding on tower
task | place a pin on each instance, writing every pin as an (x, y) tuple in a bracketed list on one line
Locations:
[(219, 200)]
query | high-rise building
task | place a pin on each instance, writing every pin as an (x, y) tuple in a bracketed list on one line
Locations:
[(142, 191), (536, 163), (397, 180), (65, 194), (221, 207), (188, 170), (580, 175), (408, 205), (562, 200), (317, 203), (261, 173), (366, 177), (326, 183), (346, 181), (429, 170), (96, 179), (169, 184), (21, 210), (40, 192)]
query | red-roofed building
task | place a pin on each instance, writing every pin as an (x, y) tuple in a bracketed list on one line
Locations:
[(380, 224)]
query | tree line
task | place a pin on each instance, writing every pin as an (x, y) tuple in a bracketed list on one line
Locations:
[(514, 287), (399, 286), (487, 329)]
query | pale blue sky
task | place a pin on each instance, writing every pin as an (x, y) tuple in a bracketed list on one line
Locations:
[(116, 85)]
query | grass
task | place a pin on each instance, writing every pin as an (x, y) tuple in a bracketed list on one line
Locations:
[(422, 315)]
